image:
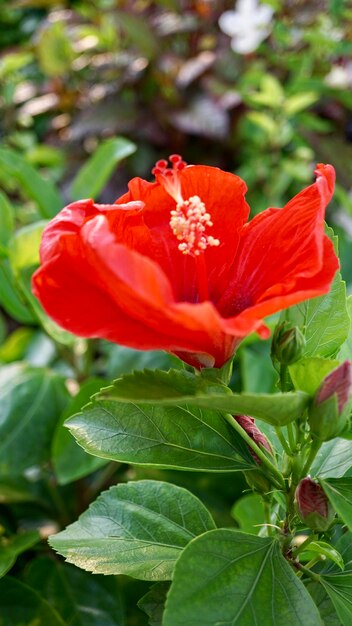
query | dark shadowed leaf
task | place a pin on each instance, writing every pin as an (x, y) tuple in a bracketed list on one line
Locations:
[(12, 547), (69, 459), (153, 603), (80, 598), (22, 606), (31, 402)]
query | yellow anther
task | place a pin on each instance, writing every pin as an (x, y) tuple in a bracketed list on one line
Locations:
[(188, 223)]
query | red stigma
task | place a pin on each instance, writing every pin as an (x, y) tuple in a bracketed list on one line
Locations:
[(161, 166)]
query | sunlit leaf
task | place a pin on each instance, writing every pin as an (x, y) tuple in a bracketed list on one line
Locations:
[(138, 529)]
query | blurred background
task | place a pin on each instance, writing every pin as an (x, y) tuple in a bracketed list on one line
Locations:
[(169, 77), (92, 93)]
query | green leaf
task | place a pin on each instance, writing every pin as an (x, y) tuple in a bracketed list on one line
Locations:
[(339, 493), (70, 461), (31, 401), (54, 49), (333, 459), (22, 606), (41, 191), (11, 548), (339, 588), (138, 529), (11, 298), (80, 598), (264, 121), (257, 373), (229, 577), (324, 604), (96, 172), (346, 348), (24, 258), (300, 101), (181, 388), (327, 551), (175, 437), (324, 321), (248, 512), (308, 374), (272, 87), (15, 489), (153, 603), (24, 248), (16, 344), (139, 32), (6, 220)]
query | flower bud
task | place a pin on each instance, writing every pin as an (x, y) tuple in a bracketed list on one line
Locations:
[(329, 413), (313, 507), (288, 343), (253, 431)]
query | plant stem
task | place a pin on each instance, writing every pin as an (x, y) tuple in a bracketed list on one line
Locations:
[(267, 516), (276, 474), (282, 440), (305, 570), (291, 437), (314, 561), (312, 454)]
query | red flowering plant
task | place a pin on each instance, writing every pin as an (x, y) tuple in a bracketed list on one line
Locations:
[(175, 265)]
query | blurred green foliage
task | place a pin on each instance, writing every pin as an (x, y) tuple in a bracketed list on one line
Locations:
[(92, 94)]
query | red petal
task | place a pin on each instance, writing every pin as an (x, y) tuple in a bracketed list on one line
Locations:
[(95, 287), (223, 195), (141, 289), (284, 258)]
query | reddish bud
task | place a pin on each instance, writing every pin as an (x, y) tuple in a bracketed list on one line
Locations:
[(313, 506), (329, 413), (253, 431), (339, 381)]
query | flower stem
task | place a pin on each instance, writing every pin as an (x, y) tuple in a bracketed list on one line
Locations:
[(282, 440), (291, 437), (276, 474), (267, 516), (312, 454), (305, 570)]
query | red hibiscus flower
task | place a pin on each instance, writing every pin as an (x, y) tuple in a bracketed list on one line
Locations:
[(173, 264)]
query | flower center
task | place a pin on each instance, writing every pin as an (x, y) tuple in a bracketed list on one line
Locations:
[(190, 219)]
